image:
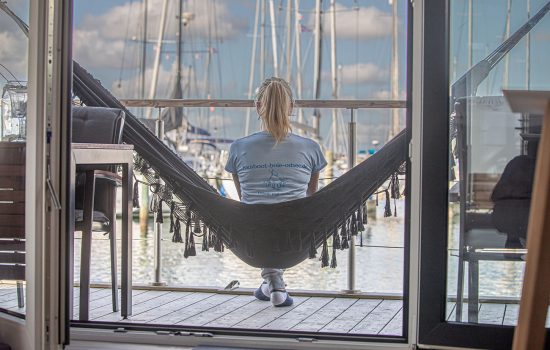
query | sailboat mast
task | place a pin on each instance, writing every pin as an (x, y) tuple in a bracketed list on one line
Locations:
[(262, 41), (507, 58), (317, 67), (395, 127), (528, 51), (252, 65), (156, 65), (180, 40), (334, 73), (273, 38), (298, 43), (143, 50), (470, 33), (288, 40)]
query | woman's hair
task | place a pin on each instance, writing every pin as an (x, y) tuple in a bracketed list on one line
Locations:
[(274, 101)]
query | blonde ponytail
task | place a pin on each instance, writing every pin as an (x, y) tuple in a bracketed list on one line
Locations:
[(274, 101)]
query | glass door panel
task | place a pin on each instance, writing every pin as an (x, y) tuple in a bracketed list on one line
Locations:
[(13, 117), (494, 45)]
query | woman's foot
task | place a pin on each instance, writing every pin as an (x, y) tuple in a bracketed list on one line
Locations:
[(262, 292), (281, 298)]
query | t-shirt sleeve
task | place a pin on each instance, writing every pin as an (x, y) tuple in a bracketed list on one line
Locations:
[(319, 161), (231, 165)]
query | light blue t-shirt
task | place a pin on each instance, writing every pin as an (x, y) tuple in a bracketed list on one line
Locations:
[(270, 172)]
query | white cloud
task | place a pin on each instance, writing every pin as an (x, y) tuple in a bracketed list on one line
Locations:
[(363, 73), (128, 88), (113, 23), (99, 40), (92, 50), (13, 43), (13, 54), (361, 22)]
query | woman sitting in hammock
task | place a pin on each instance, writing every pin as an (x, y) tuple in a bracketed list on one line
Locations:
[(274, 165)]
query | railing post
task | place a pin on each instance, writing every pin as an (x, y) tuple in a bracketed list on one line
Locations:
[(352, 151), (159, 130)]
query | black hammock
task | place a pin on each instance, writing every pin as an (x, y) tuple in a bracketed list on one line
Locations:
[(262, 235)]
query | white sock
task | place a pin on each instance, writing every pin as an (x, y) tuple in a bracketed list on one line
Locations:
[(278, 297), (265, 289)]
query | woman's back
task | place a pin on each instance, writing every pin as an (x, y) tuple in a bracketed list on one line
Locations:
[(271, 172)]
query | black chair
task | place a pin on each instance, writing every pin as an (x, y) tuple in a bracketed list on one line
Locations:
[(95, 193)]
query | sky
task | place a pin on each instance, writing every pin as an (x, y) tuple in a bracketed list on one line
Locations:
[(108, 42)]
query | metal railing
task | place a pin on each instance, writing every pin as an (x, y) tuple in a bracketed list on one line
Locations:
[(352, 105)]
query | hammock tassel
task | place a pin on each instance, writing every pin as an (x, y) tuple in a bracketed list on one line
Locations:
[(312, 249), (394, 186), (192, 250), (344, 237), (387, 208), (172, 208), (205, 242), (365, 215), (353, 225), (360, 225), (159, 219), (176, 238), (324, 255), (336, 240), (333, 263), (187, 231), (135, 197)]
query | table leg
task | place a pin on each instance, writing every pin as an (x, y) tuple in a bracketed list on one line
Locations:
[(126, 256)]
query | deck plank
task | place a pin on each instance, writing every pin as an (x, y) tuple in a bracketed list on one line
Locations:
[(173, 312), (464, 312), (325, 315), (9, 296), (449, 310), (205, 305), (352, 316), (378, 318), (245, 311), (217, 312), (101, 302), (268, 315), (143, 307), (395, 326), (511, 315), (137, 297), (298, 314), (96, 297), (491, 313)]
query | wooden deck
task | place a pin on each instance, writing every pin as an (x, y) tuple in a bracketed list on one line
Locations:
[(309, 313)]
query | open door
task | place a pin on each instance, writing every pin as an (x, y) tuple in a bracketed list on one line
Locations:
[(35, 117)]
